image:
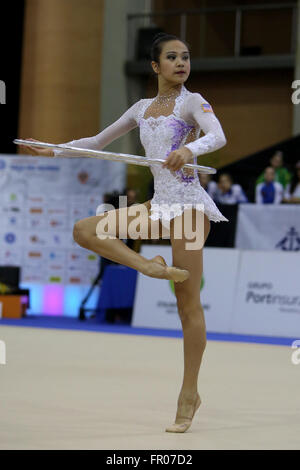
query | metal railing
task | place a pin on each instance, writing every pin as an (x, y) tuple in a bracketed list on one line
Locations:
[(137, 20)]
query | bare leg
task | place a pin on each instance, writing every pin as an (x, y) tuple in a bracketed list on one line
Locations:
[(116, 250), (194, 330)]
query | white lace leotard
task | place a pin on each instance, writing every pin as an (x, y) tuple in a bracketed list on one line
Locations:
[(160, 136)]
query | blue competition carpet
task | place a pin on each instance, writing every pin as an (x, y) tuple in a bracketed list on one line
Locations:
[(92, 324)]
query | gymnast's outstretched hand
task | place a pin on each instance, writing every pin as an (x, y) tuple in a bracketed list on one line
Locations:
[(39, 151)]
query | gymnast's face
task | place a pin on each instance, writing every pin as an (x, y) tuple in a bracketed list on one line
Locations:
[(174, 62)]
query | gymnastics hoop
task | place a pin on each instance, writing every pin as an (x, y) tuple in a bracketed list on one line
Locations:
[(120, 157)]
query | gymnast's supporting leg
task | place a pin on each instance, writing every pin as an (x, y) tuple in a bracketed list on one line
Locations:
[(85, 234), (193, 324)]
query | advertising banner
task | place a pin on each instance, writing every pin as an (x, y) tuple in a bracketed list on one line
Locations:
[(41, 199), (268, 227), (268, 295), (155, 302)]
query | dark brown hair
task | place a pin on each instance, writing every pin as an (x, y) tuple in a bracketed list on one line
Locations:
[(158, 41), (295, 178), (227, 175)]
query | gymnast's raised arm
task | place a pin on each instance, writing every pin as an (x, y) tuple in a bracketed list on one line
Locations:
[(124, 124)]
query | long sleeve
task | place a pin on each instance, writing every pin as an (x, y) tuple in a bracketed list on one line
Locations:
[(278, 193), (124, 124), (287, 192), (241, 196), (201, 113), (258, 195)]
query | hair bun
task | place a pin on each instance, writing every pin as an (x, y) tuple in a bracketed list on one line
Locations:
[(159, 36)]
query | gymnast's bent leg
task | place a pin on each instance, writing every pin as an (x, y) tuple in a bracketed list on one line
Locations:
[(90, 234)]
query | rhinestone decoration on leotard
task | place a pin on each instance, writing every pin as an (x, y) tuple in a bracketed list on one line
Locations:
[(160, 135), (164, 127), (181, 131), (156, 113)]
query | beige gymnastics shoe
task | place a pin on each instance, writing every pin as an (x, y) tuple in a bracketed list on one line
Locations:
[(184, 426), (169, 272)]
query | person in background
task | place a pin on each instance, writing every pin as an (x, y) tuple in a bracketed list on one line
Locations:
[(208, 184), (227, 192), (292, 191), (269, 191), (282, 175), (131, 196)]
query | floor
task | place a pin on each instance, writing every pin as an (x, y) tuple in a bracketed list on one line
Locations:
[(76, 389)]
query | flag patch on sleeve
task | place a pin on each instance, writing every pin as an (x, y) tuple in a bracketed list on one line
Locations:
[(206, 108)]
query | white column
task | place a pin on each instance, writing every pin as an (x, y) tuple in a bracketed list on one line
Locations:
[(114, 83), (114, 95)]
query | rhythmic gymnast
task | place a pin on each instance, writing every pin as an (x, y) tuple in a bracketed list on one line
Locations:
[(170, 126)]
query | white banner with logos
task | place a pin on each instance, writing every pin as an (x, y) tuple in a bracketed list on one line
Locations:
[(268, 227), (155, 302), (242, 292), (41, 199), (268, 295)]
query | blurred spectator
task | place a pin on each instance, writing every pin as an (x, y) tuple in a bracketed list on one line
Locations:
[(131, 196), (292, 191), (282, 175), (269, 191), (208, 184), (227, 192), (111, 198)]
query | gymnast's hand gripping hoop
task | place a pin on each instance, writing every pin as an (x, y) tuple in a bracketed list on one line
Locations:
[(99, 154)]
